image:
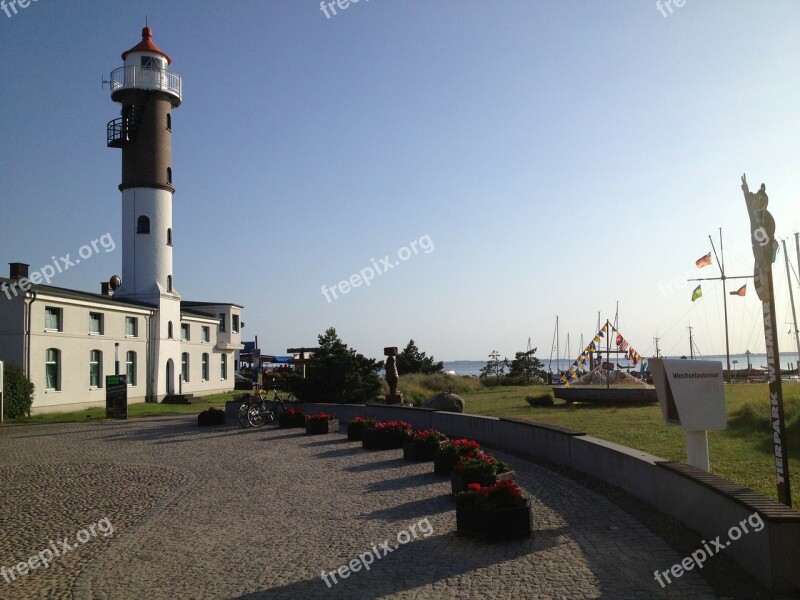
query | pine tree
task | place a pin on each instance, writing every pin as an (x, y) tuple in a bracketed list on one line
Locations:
[(411, 360)]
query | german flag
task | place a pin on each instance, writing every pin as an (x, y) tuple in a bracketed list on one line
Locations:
[(740, 292), (703, 261), (697, 293)]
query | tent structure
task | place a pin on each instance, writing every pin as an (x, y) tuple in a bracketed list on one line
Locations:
[(590, 367)]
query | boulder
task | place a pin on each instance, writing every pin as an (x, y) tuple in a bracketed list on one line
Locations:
[(447, 402)]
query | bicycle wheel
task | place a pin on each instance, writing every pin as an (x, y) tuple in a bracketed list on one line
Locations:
[(256, 415), (243, 410)]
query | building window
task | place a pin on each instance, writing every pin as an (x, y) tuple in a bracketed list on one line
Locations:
[(169, 174), (205, 367), (206, 334), (235, 325), (95, 369), (131, 327), (184, 332), (169, 330), (130, 367), (96, 323), (52, 318), (52, 369), (185, 366), (223, 366), (143, 225), (169, 236), (222, 321), (169, 283), (169, 121)]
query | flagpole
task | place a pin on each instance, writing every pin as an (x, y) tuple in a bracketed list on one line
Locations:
[(724, 298), (724, 278)]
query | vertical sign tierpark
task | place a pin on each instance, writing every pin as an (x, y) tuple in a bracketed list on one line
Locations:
[(765, 248), (116, 397)]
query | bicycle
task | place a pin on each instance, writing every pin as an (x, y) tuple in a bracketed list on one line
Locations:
[(263, 410), (244, 409)]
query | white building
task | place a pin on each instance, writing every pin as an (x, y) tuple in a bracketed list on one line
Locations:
[(66, 340)]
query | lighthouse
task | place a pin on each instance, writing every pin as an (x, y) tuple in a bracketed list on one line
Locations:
[(148, 92)]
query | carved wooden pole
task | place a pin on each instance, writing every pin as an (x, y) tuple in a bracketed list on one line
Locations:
[(392, 377), (765, 248)]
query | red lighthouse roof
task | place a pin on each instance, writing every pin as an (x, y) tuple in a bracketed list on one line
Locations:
[(147, 45)]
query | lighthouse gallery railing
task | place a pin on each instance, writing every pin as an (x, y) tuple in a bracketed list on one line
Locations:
[(146, 78)]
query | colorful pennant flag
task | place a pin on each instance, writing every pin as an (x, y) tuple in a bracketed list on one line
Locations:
[(703, 261), (697, 293), (740, 292)]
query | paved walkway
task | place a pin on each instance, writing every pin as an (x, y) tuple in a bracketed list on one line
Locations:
[(232, 513)]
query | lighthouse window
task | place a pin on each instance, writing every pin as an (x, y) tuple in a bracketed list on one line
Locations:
[(169, 121), (143, 225), (151, 62), (169, 236), (169, 283), (169, 174)]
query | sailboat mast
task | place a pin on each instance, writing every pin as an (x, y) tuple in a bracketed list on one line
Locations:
[(791, 300), (558, 349)]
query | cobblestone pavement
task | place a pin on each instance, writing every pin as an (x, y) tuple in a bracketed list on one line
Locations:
[(231, 513)]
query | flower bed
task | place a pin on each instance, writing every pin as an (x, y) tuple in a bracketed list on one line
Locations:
[(211, 416), (356, 427), (444, 460), (390, 435), (292, 417), (422, 445), (478, 467), (321, 423), (496, 512)]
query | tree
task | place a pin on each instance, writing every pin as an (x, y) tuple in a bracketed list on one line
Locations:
[(495, 367), (526, 365), (411, 360), (18, 393), (339, 374)]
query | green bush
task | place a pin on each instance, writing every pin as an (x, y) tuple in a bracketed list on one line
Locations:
[(540, 400), (339, 374), (17, 393)]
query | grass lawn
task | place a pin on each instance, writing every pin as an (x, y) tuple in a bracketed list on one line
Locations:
[(134, 410), (742, 453)]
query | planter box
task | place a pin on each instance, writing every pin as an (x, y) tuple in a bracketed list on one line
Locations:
[(321, 427), (419, 451), (355, 431), (459, 483), (499, 524), (288, 421), (443, 464), (374, 439)]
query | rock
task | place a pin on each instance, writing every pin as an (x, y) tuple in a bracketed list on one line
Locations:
[(447, 402)]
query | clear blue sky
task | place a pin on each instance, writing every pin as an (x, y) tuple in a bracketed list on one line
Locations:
[(560, 156)]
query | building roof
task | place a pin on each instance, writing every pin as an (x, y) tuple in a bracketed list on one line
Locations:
[(74, 294), (201, 304), (147, 45), (198, 313)]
